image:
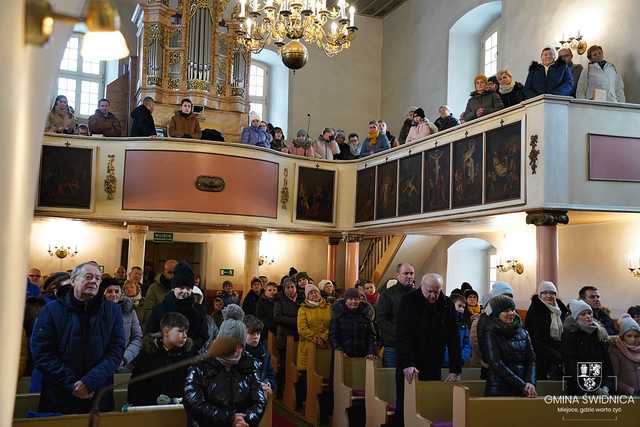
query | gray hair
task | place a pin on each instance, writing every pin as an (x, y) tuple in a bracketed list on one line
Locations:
[(79, 269), (431, 278)]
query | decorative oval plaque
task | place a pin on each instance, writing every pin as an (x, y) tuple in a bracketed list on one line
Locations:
[(212, 184)]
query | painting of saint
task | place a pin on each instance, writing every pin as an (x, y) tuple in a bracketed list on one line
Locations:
[(65, 177), (365, 194), (409, 196), (467, 172), (387, 190), (437, 170), (503, 168), (315, 195)]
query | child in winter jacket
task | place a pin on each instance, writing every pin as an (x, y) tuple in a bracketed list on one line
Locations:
[(625, 356), (256, 348), (463, 332)]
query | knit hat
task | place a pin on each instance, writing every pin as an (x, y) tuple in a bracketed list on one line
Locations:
[(106, 282), (465, 286), (501, 288), (545, 286), (310, 288), (302, 275), (182, 276), (469, 292), (419, 112), (577, 306), (323, 283), (627, 324), (351, 293), (501, 303), (233, 325)]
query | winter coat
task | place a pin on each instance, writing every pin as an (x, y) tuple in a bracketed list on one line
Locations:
[(230, 298), (626, 366), (404, 131), (508, 351), (478, 328), (548, 351), (444, 123), (76, 341), (154, 356), (107, 125), (465, 345), (132, 331), (249, 303), (581, 346), (345, 153), (423, 331), (184, 126), (515, 97), (307, 151), (143, 124), (194, 312), (325, 150), (387, 313), (213, 394), (605, 78), (155, 294), (264, 311), (558, 80), (382, 143), (285, 316), (255, 136), (313, 321), (489, 101), (602, 316), (352, 331), (420, 131), (62, 122), (262, 360)]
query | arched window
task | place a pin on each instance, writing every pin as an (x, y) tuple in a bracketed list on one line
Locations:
[(274, 78), (259, 88)]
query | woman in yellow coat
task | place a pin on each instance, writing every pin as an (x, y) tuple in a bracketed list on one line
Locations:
[(314, 318)]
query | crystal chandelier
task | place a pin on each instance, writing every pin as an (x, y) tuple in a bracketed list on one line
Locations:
[(266, 22)]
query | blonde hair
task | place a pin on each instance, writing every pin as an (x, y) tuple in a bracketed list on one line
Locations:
[(480, 77), (505, 71)]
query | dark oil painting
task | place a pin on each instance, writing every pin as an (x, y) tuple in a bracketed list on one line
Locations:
[(386, 190), (437, 171), (467, 172), (315, 196), (410, 194), (503, 164), (365, 194), (65, 177)]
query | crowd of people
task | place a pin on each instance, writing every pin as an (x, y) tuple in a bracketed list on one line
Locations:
[(84, 326), (555, 74)]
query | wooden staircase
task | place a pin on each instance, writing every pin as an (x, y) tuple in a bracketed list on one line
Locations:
[(378, 255)]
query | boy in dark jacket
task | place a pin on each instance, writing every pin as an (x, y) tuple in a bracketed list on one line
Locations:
[(285, 316), (143, 124), (256, 348), (264, 309), (446, 119), (252, 298), (351, 326), (169, 346), (459, 303)]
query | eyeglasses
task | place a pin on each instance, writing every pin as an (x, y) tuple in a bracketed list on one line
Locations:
[(90, 276)]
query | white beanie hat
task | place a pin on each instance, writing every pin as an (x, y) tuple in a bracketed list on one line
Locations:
[(627, 324), (322, 284), (545, 286), (577, 306), (254, 116)]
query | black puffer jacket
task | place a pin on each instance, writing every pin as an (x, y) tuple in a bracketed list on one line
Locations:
[(143, 124), (352, 330), (214, 394), (264, 312), (285, 316), (581, 346), (548, 351), (508, 351), (250, 302)]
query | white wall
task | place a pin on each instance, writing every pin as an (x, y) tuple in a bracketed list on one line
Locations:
[(468, 261)]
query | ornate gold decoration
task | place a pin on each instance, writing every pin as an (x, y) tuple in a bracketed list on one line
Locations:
[(62, 251), (547, 217), (294, 55), (153, 32), (110, 178), (174, 57), (534, 152), (198, 85), (200, 4), (173, 84), (284, 193), (237, 91), (154, 81), (211, 184)]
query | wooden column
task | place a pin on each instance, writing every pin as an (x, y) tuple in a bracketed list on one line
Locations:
[(137, 240), (251, 257), (546, 222), (352, 263), (332, 250)]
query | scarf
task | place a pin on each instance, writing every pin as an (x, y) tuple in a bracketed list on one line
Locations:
[(595, 327), (136, 300), (313, 303), (507, 89), (473, 310), (355, 149), (372, 135), (630, 352), (372, 299), (556, 320), (229, 361)]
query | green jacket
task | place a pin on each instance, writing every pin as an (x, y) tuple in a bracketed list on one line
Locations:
[(387, 313), (155, 294)]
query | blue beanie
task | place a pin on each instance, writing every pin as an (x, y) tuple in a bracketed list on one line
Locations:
[(501, 288)]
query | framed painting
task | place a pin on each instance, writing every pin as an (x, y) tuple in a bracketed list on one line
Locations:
[(467, 172), (387, 190), (437, 178), (410, 185), (503, 175), (315, 195), (66, 177), (365, 195)]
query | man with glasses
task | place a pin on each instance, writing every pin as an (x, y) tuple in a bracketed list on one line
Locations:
[(34, 279), (159, 288), (77, 345)]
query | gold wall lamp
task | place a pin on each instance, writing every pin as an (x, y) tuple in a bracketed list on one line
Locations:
[(103, 41), (510, 265)]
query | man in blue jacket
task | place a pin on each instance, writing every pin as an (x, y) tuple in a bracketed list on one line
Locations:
[(77, 344), (549, 76)]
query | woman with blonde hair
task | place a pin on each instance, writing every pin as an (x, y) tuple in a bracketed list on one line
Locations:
[(511, 92), (482, 101), (61, 118)]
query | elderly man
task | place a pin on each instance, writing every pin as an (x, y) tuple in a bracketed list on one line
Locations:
[(159, 288), (388, 305), (104, 122), (77, 344), (426, 325), (601, 80), (591, 295), (34, 280)]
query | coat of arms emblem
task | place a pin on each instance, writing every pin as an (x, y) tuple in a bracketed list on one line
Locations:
[(589, 375)]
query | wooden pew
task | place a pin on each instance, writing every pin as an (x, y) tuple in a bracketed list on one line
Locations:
[(348, 375), (272, 348), (318, 372), (30, 401), (468, 374), (379, 391), (290, 375)]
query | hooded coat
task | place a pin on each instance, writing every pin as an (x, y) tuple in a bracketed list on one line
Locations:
[(558, 80), (184, 126), (105, 124), (76, 341), (255, 136), (285, 316), (194, 312), (132, 331), (352, 331), (313, 321), (548, 351), (489, 101), (143, 124), (213, 394), (154, 356)]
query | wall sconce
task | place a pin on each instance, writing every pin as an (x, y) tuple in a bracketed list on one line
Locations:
[(264, 259), (633, 263), (506, 265), (575, 43), (103, 41), (62, 251)]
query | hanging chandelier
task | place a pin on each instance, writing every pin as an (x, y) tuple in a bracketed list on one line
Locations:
[(285, 23)]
